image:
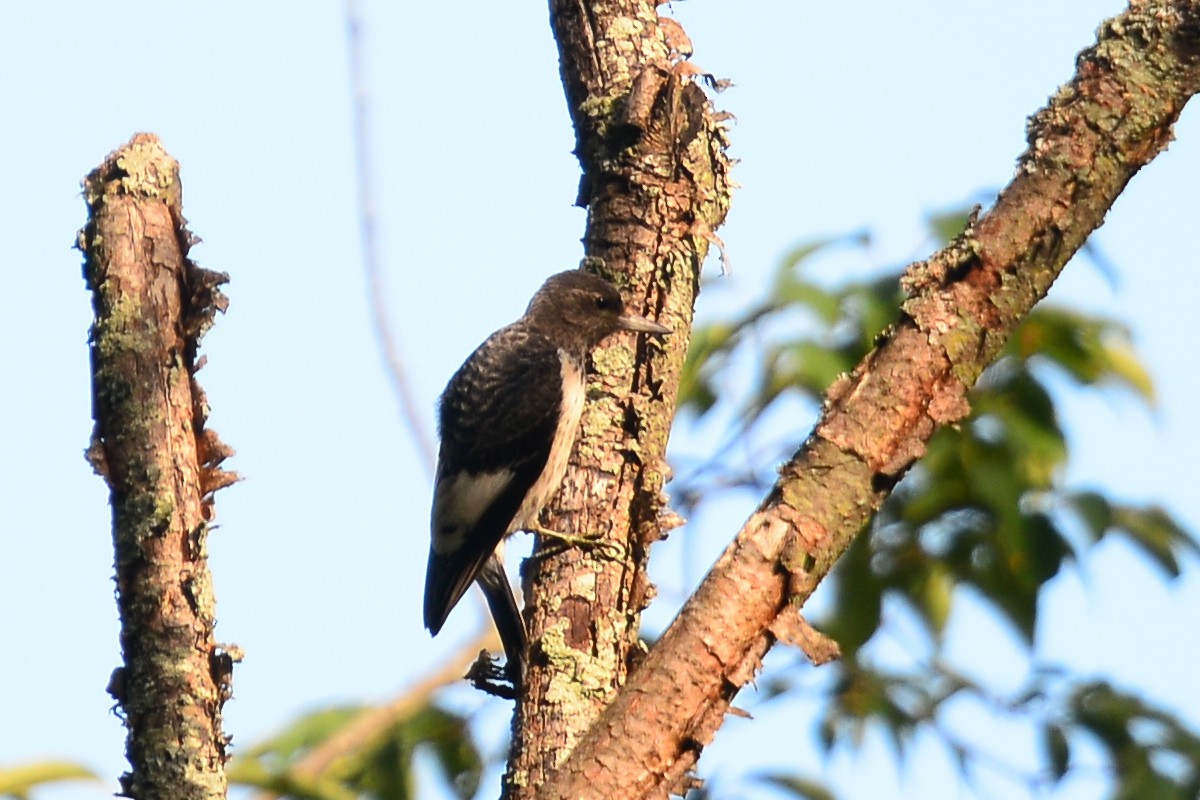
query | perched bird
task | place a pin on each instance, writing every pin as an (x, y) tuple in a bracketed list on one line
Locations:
[(508, 419)]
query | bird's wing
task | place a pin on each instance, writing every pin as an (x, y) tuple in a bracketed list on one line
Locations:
[(498, 417)]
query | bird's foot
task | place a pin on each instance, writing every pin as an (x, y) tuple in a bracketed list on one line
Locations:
[(607, 549), (488, 676)]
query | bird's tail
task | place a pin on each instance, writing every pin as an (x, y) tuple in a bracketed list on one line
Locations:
[(503, 605)]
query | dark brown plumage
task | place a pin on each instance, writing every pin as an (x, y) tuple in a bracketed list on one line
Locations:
[(508, 419)]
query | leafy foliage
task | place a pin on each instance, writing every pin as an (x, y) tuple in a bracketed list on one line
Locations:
[(798, 787), (378, 766), (20, 780), (1153, 755), (984, 511)]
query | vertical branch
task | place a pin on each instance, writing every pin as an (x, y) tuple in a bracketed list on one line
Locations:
[(152, 305), (655, 182)]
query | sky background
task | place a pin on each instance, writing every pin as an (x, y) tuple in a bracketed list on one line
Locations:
[(845, 118)]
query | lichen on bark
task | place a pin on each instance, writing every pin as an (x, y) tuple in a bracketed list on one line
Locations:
[(151, 305), (655, 183)]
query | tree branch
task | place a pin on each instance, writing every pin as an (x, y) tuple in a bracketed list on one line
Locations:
[(152, 305), (385, 335), (655, 182), (1098, 130), (323, 763)]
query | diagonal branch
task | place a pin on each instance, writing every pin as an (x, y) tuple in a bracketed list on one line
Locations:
[(1097, 131), (324, 762)]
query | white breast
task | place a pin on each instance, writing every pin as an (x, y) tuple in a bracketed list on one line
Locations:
[(560, 452)]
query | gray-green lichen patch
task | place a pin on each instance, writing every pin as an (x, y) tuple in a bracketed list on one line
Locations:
[(614, 360), (149, 171), (141, 168), (577, 677)]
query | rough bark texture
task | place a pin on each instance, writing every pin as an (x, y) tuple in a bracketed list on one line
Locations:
[(1097, 131), (151, 306), (656, 185)]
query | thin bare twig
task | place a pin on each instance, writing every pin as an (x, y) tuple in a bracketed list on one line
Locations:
[(384, 333)]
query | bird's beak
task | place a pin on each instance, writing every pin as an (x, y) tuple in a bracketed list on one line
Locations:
[(632, 322)]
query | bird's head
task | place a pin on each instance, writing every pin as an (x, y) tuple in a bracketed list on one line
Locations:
[(584, 308)]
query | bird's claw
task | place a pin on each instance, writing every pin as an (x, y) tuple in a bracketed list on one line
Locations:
[(608, 549), (488, 676)]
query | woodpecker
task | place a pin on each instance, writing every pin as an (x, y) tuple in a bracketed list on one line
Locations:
[(507, 421)]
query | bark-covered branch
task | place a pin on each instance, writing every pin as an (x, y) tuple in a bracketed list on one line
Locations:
[(655, 185), (152, 305), (1097, 131)]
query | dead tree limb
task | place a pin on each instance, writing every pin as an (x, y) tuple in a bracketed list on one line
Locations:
[(152, 305)]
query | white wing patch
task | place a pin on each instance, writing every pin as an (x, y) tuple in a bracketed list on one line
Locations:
[(458, 503), (460, 500)]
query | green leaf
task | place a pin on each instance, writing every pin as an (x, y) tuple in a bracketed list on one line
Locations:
[(795, 259), (454, 751), (799, 365), (309, 730), (823, 304), (1144, 783), (937, 595), (1132, 731), (871, 307), (859, 604), (252, 772), (1042, 548), (379, 767), (1090, 349), (1026, 553), (1093, 510), (20, 780), (794, 785), (827, 732), (1150, 528), (1156, 533), (946, 226), (707, 343), (1058, 750), (1124, 366), (1016, 415)]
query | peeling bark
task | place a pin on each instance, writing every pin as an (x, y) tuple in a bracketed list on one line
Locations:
[(1097, 131), (162, 466)]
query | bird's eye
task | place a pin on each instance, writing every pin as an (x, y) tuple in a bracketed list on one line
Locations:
[(604, 303)]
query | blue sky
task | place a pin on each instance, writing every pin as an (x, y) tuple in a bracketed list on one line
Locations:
[(872, 117)]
